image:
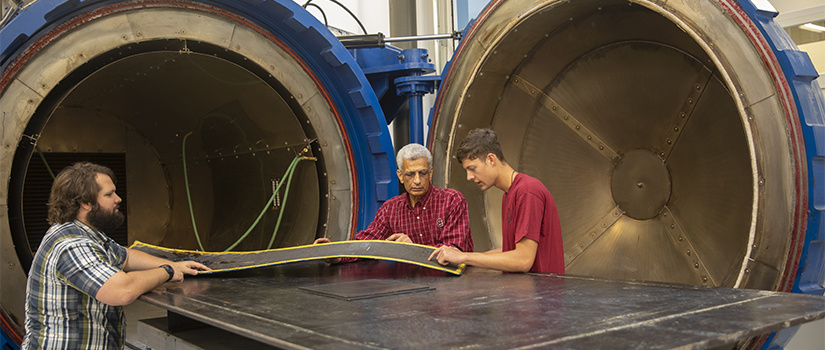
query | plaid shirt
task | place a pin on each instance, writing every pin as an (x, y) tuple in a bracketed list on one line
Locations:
[(70, 266), (438, 218)]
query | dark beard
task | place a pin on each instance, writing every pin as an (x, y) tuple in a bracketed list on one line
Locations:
[(103, 221)]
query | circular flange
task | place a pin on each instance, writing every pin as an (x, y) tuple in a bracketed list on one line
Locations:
[(641, 184)]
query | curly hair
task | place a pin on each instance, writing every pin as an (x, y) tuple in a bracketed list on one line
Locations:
[(479, 143), (73, 186)]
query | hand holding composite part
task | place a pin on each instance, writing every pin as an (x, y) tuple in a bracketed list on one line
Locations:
[(447, 254), (326, 240), (187, 267), (400, 237)]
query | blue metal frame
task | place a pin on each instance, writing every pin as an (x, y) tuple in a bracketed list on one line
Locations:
[(391, 68), (810, 105)]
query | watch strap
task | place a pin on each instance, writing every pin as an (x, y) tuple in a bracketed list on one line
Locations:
[(169, 270)]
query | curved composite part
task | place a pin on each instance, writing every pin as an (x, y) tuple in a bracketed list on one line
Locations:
[(409, 253), (254, 83), (682, 141)]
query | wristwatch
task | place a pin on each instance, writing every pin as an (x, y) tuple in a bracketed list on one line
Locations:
[(169, 270)]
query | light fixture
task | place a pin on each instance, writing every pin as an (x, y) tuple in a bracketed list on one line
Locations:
[(813, 27)]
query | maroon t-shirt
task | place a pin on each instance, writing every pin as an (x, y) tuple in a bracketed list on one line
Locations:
[(528, 210)]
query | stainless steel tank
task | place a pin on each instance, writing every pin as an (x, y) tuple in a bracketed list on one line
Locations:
[(667, 132), (247, 85)]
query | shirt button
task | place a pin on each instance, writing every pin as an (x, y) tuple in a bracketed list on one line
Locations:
[(418, 217), (420, 235)]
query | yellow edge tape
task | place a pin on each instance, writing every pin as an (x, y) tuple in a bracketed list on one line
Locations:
[(436, 266)]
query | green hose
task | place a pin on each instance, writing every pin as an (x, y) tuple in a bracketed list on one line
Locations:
[(283, 204), (43, 158), (188, 195), (290, 171)]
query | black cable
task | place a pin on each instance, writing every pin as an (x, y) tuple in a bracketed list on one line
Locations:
[(351, 14), (343, 7), (319, 9)]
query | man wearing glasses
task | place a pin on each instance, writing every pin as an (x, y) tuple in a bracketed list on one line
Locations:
[(426, 214)]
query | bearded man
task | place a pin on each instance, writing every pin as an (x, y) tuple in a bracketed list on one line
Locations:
[(80, 278)]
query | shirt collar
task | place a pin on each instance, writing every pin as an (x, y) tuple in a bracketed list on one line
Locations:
[(94, 234)]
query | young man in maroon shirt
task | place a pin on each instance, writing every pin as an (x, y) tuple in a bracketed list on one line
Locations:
[(425, 214), (531, 233)]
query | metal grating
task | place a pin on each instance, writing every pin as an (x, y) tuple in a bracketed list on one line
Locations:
[(38, 185)]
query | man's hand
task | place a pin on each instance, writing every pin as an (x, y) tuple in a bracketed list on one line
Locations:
[(448, 254), (326, 240), (399, 237), (187, 267)]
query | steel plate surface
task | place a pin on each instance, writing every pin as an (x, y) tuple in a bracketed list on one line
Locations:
[(481, 309)]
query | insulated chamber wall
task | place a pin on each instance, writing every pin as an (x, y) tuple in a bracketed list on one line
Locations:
[(244, 86), (679, 139)]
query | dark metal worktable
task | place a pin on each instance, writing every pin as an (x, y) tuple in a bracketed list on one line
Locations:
[(481, 309)]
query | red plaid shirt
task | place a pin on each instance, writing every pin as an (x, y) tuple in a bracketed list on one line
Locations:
[(439, 218)]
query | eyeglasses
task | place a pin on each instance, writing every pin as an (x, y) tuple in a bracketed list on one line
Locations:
[(411, 174)]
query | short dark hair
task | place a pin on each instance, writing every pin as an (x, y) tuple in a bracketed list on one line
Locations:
[(478, 143), (73, 186)]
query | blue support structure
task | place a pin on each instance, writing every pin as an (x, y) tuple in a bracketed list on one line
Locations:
[(800, 74), (404, 71)]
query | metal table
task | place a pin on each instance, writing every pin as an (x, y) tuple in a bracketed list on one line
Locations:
[(396, 305)]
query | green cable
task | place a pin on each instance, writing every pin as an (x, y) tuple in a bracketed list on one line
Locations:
[(290, 171), (43, 158), (283, 205), (188, 195)]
